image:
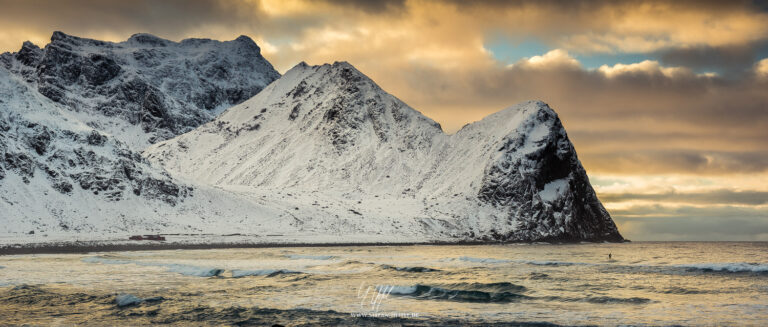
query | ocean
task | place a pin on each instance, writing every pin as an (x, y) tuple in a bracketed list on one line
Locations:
[(643, 284)]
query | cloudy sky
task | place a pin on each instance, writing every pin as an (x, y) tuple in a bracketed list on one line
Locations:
[(666, 102)]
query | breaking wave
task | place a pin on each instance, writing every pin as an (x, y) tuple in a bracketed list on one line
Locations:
[(176, 268), (106, 260), (461, 292), (736, 267), (191, 270)]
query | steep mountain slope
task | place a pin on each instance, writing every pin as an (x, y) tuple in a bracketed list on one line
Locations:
[(144, 89), (332, 141), (60, 176)]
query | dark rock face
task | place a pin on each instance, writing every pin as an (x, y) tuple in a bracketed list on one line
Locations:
[(166, 88), (519, 180), (351, 109), (86, 160), (29, 54)]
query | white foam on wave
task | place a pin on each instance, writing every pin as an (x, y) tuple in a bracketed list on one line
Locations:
[(187, 270), (106, 261), (734, 267), (192, 270), (395, 289)]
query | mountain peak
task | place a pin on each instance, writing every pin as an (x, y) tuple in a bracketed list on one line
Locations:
[(161, 87), (342, 64), (148, 39), (244, 39), (58, 35)]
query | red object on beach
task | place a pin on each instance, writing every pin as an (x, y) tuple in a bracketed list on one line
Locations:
[(147, 238)]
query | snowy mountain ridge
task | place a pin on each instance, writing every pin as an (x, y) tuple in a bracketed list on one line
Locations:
[(145, 89), (329, 130), (61, 178), (321, 154)]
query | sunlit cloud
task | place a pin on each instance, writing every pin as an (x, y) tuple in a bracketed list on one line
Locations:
[(761, 68)]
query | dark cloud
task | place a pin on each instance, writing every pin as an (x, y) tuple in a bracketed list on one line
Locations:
[(693, 228), (171, 17), (591, 4), (711, 197), (680, 161), (372, 6), (660, 211), (689, 223), (732, 59)]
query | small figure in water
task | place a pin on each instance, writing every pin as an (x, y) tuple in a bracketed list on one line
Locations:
[(609, 256)]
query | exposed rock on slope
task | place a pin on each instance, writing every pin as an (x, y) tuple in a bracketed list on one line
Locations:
[(59, 176), (47, 154), (329, 132), (67, 167), (144, 89)]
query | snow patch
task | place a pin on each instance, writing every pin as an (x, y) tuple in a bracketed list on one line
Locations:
[(554, 190)]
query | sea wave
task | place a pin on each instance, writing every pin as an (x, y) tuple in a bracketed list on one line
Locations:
[(528, 262), (187, 270), (482, 260), (680, 290), (106, 260), (735, 267), (309, 257), (461, 292), (263, 272), (552, 263), (410, 269), (616, 300), (598, 299), (538, 276)]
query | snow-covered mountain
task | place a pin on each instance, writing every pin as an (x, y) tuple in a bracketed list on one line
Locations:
[(351, 158), (322, 154), (59, 176), (145, 89)]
